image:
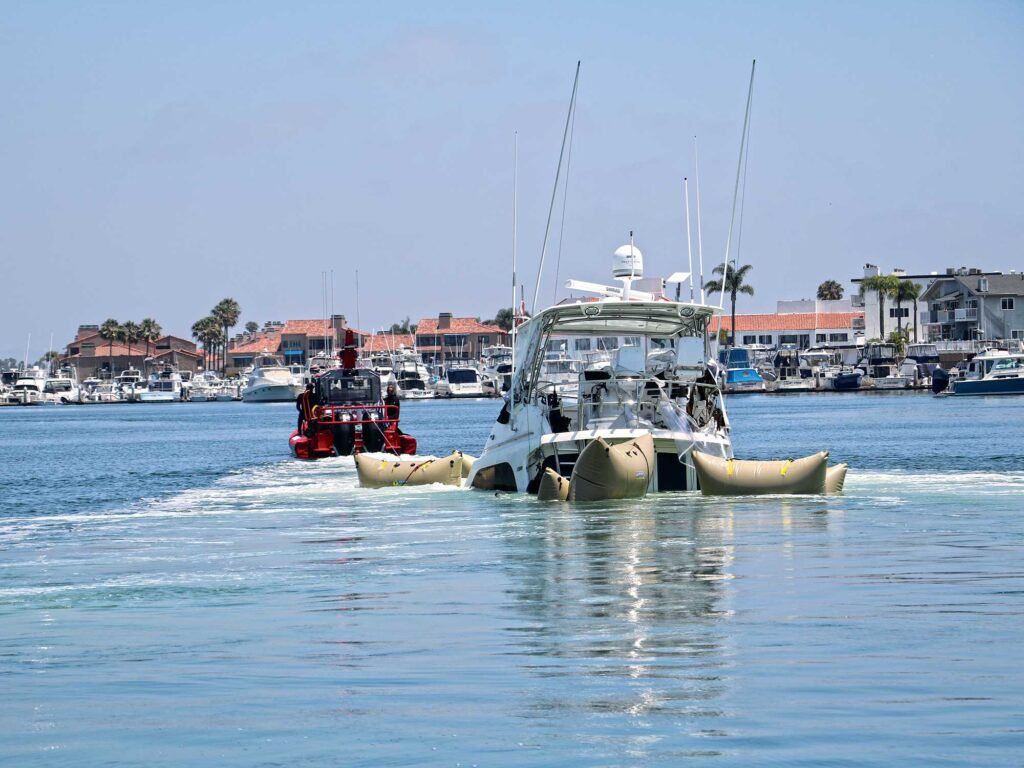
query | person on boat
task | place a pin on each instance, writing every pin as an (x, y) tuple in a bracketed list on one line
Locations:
[(391, 399), (304, 405)]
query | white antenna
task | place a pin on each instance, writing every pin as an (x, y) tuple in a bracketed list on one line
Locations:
[(700, 240), (334, 330), (554, 191), (689, 242), (515, 229), (28, 344), (565, 198), (736, 188), (359, 323)]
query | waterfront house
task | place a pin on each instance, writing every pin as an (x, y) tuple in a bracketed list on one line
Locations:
[(800, 324), (968, 304), (92, 355), (461, 339), (295, 341)]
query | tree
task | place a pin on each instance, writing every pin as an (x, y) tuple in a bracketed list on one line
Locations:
[(252, 326), (503, 319), (732, 284), (149, 331), (206, 331), (909, 291), (830, 290), (131, 333), (883, 285), (403, 327), (226, 313), (109, 332), (48, 359)]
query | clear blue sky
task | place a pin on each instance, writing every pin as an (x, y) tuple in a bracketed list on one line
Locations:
[(157, 157)]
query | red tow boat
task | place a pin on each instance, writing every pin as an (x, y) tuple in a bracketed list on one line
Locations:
[(348, 416)]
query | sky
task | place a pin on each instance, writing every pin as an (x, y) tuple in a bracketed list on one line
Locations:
[(158, 157)]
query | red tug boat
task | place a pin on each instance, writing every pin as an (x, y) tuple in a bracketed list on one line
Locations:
[(345, 415)]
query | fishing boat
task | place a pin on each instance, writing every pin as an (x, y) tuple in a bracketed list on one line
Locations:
[(881, 368), (270, 381), (348, 415), (992, 372), (659, 385), (738, 371)]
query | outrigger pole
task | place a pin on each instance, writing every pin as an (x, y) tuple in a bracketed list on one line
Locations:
[(554, 191), (736, 188)]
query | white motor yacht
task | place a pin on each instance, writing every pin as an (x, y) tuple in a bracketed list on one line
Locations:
[(659, 384), (62, 387), (460, 382), (28, 386), (131, 384), (270, 381), (411, 376), (992, 372), (164, 387)]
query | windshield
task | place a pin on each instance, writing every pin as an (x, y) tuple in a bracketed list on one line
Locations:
[(462, 376)]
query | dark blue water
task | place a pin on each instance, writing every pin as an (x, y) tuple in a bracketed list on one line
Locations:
[(174, 590)]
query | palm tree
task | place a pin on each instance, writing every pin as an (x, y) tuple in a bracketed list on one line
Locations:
[(732, 284), (132, 333), (226, 313), (830, 290), (883, 285), (909, 291), (201, 330), (109, 332), (149, 331)]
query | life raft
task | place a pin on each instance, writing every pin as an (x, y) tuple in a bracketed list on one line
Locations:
[(835, 477), (619, 471), (378, 471), (732, 477)]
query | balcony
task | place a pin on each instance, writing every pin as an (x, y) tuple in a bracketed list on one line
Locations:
[(941, 316), (965, 315)]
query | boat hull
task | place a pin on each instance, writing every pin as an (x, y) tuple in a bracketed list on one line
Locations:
[(271, 393), (969, 387)]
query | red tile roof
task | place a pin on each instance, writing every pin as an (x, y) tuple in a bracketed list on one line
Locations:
[(386, 342), (307, 327), (428, 327), (791, 321), (259, 342)]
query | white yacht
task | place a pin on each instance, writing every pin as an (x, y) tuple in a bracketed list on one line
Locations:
[(28, 386), (881, 369), (789, 373), (62, 387), (661, 385), (131, 384), (496, 368), (460, 382), (164, 387), (205, 387), (271, 381), (411, 376), (992, 372)]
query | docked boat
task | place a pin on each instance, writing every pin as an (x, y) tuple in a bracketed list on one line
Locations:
[(739, 373), (270, 381), (130, 383), (411, 377), (881, 367), (164, 386), (660, 385), (348, 415), (992, 372), (460, 382), (62, 387), (789, 375), (496, 362), (28, 387), (920, 362), (842, 379)]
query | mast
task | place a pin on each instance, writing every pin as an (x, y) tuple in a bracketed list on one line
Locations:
[(554, 190), (700, 240), (689, 242), (515, 229), (736, 188)]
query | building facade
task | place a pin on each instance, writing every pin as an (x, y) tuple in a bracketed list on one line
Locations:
[(444, 338), (94, 356), (294, 341), (970, 304), (803, 323)]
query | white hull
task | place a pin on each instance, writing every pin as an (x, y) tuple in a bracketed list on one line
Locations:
[(158, 397), (892, 382), (271, 393)]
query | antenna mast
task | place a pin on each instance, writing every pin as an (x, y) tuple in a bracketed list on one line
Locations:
[(689, 242), (554, 191), (700, 240), (515, 229), (736, 188)]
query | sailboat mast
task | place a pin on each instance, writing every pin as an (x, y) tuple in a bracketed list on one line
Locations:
[(515, 231), (736, 188)]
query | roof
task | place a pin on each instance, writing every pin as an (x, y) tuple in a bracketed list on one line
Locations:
[(307, 327), (386, 342), (428, 327), (166, 352), (259, 342), (795, 321)]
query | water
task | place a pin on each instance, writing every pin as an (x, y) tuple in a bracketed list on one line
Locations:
[(174, 590)]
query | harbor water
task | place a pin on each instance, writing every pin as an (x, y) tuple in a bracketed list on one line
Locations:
[(176, 590)]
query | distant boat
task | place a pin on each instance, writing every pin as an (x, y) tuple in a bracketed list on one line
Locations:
[(270, 381), (993, 372)]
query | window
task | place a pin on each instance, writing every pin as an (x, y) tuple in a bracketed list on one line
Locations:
[(483, 340), (1017, 333), (838, 337), (767, 339), (899, 311), (820, 337), (750, 339), (787, 339), (1006, 304), (582, 345), (455, 339)]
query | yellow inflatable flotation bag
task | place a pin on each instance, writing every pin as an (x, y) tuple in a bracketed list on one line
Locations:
[(834, 479), (377, 471), (620, 471), (553, 487), (731, 477)]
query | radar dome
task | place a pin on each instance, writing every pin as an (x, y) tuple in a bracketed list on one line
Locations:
[(628, 262)]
